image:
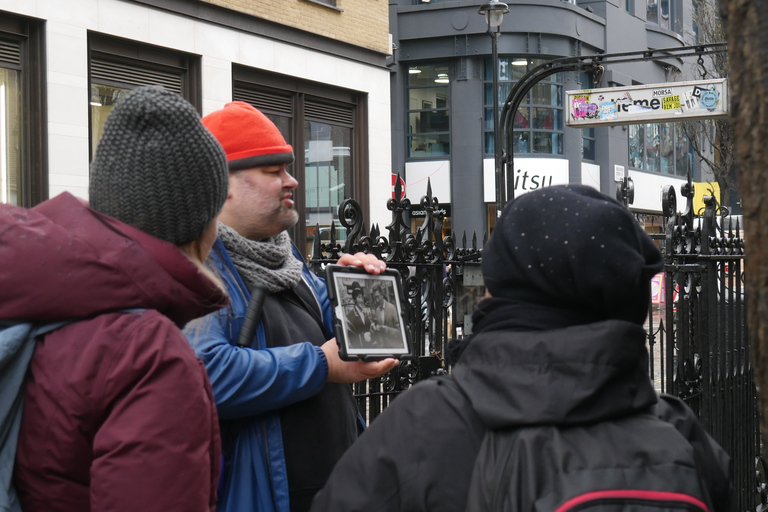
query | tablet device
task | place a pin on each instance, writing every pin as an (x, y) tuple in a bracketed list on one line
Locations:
[(368, 313)]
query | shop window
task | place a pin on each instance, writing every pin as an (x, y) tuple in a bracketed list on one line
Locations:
[(23, 137), (428, 116), (118, 65), (659, 147), (327, 128), (538, 122)]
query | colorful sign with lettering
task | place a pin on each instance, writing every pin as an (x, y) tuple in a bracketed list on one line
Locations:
[(674, 101)]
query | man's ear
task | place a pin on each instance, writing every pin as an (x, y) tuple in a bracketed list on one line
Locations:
[(232, 179)]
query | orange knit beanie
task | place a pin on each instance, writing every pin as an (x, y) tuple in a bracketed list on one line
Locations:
[(248, 137)]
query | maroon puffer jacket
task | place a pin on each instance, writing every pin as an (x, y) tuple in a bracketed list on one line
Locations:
[(118, 413)]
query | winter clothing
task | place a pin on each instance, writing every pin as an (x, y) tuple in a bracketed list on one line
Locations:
[(589, 379), (157, 168), (269, 265), (283, 426), (118, 413), (552, 351), (249, 138), (573, 248)]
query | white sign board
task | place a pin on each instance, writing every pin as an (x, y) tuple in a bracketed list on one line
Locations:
[(673, 101), (530, 174)]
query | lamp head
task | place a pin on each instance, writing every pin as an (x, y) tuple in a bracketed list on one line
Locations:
[(494, 12)]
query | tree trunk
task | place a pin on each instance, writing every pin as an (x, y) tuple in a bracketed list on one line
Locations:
[(746, 28)]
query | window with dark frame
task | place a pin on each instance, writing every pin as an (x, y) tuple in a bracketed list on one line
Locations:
[(588, 138), (118, 65), (427, 112), (659, 147), (327, 128), (538, 122), (23, 131)]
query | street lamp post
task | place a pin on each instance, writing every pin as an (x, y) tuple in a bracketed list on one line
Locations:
[(494, 13)]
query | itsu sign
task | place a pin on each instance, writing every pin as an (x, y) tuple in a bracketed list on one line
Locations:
[(673, 101)]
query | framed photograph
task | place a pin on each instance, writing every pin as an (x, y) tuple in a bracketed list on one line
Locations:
[(369, 319)]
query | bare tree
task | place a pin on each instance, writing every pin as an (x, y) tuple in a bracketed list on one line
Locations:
[(746, 28), (712, 139)]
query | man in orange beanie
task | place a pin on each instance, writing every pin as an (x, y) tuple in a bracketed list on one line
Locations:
[(282, 392)]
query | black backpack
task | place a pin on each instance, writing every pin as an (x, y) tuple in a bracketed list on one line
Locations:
[(496, 488), (521, 470)]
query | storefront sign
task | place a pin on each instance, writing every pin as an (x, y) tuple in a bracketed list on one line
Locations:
[(418, 211), (655, 103), (530, 174)]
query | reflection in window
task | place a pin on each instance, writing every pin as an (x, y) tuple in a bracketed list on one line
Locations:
[(103, 100), (660, 147), (665, 14), (428, 114), (10, 136), (588, 144), (538, 122), (327, 173), (652, 11)]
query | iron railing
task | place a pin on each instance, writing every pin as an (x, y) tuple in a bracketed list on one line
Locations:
[(697, 334)]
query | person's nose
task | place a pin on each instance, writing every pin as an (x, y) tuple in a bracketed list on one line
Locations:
[(289, 181)]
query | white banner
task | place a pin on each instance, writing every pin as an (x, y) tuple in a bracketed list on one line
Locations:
[(655, 103)]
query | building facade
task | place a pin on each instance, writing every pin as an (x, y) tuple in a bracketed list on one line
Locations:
[(316, 67), (442, 106)]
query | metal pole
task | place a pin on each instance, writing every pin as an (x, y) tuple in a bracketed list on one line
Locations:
[(497, 145)]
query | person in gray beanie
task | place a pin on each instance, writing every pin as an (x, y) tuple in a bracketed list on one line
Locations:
[(158, 168), (118, 413), (558, 361)]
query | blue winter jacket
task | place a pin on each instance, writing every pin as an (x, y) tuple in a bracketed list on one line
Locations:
[(253, 385)]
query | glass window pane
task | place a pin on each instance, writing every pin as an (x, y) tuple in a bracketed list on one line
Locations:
[(684, 155), (636, 145), (103, 100), (652, 147), (510, 68), (428, 121), (427, 98), (327, 171), (557, 77), (666, 149), (522, 118), (429, 145), (588, 143), (522, 142), (545, 94), (664, 14), (10, 136), (547, 119), (285, 125), (652, 11), (428, 75), (587, 149), (428, 111), (548, 142), (489, 143), (488, 119)]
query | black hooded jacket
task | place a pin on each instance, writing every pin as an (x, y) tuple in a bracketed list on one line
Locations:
[(585, 379)]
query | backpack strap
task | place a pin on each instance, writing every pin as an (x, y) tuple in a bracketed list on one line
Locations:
[(505, 442)]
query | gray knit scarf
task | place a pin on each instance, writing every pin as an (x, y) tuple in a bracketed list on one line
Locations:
[(269, 264)]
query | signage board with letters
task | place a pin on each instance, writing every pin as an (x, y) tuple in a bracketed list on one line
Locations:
[(654, 103)]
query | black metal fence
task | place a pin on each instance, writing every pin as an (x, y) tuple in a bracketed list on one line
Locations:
[(706, 356), (697, 335)]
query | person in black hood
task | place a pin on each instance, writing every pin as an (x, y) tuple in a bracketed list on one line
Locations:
[(558, 344)]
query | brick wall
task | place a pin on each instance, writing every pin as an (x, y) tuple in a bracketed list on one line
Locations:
[(363, 23)]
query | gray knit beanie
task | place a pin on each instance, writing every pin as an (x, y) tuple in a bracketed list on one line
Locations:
[(158, 168)]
